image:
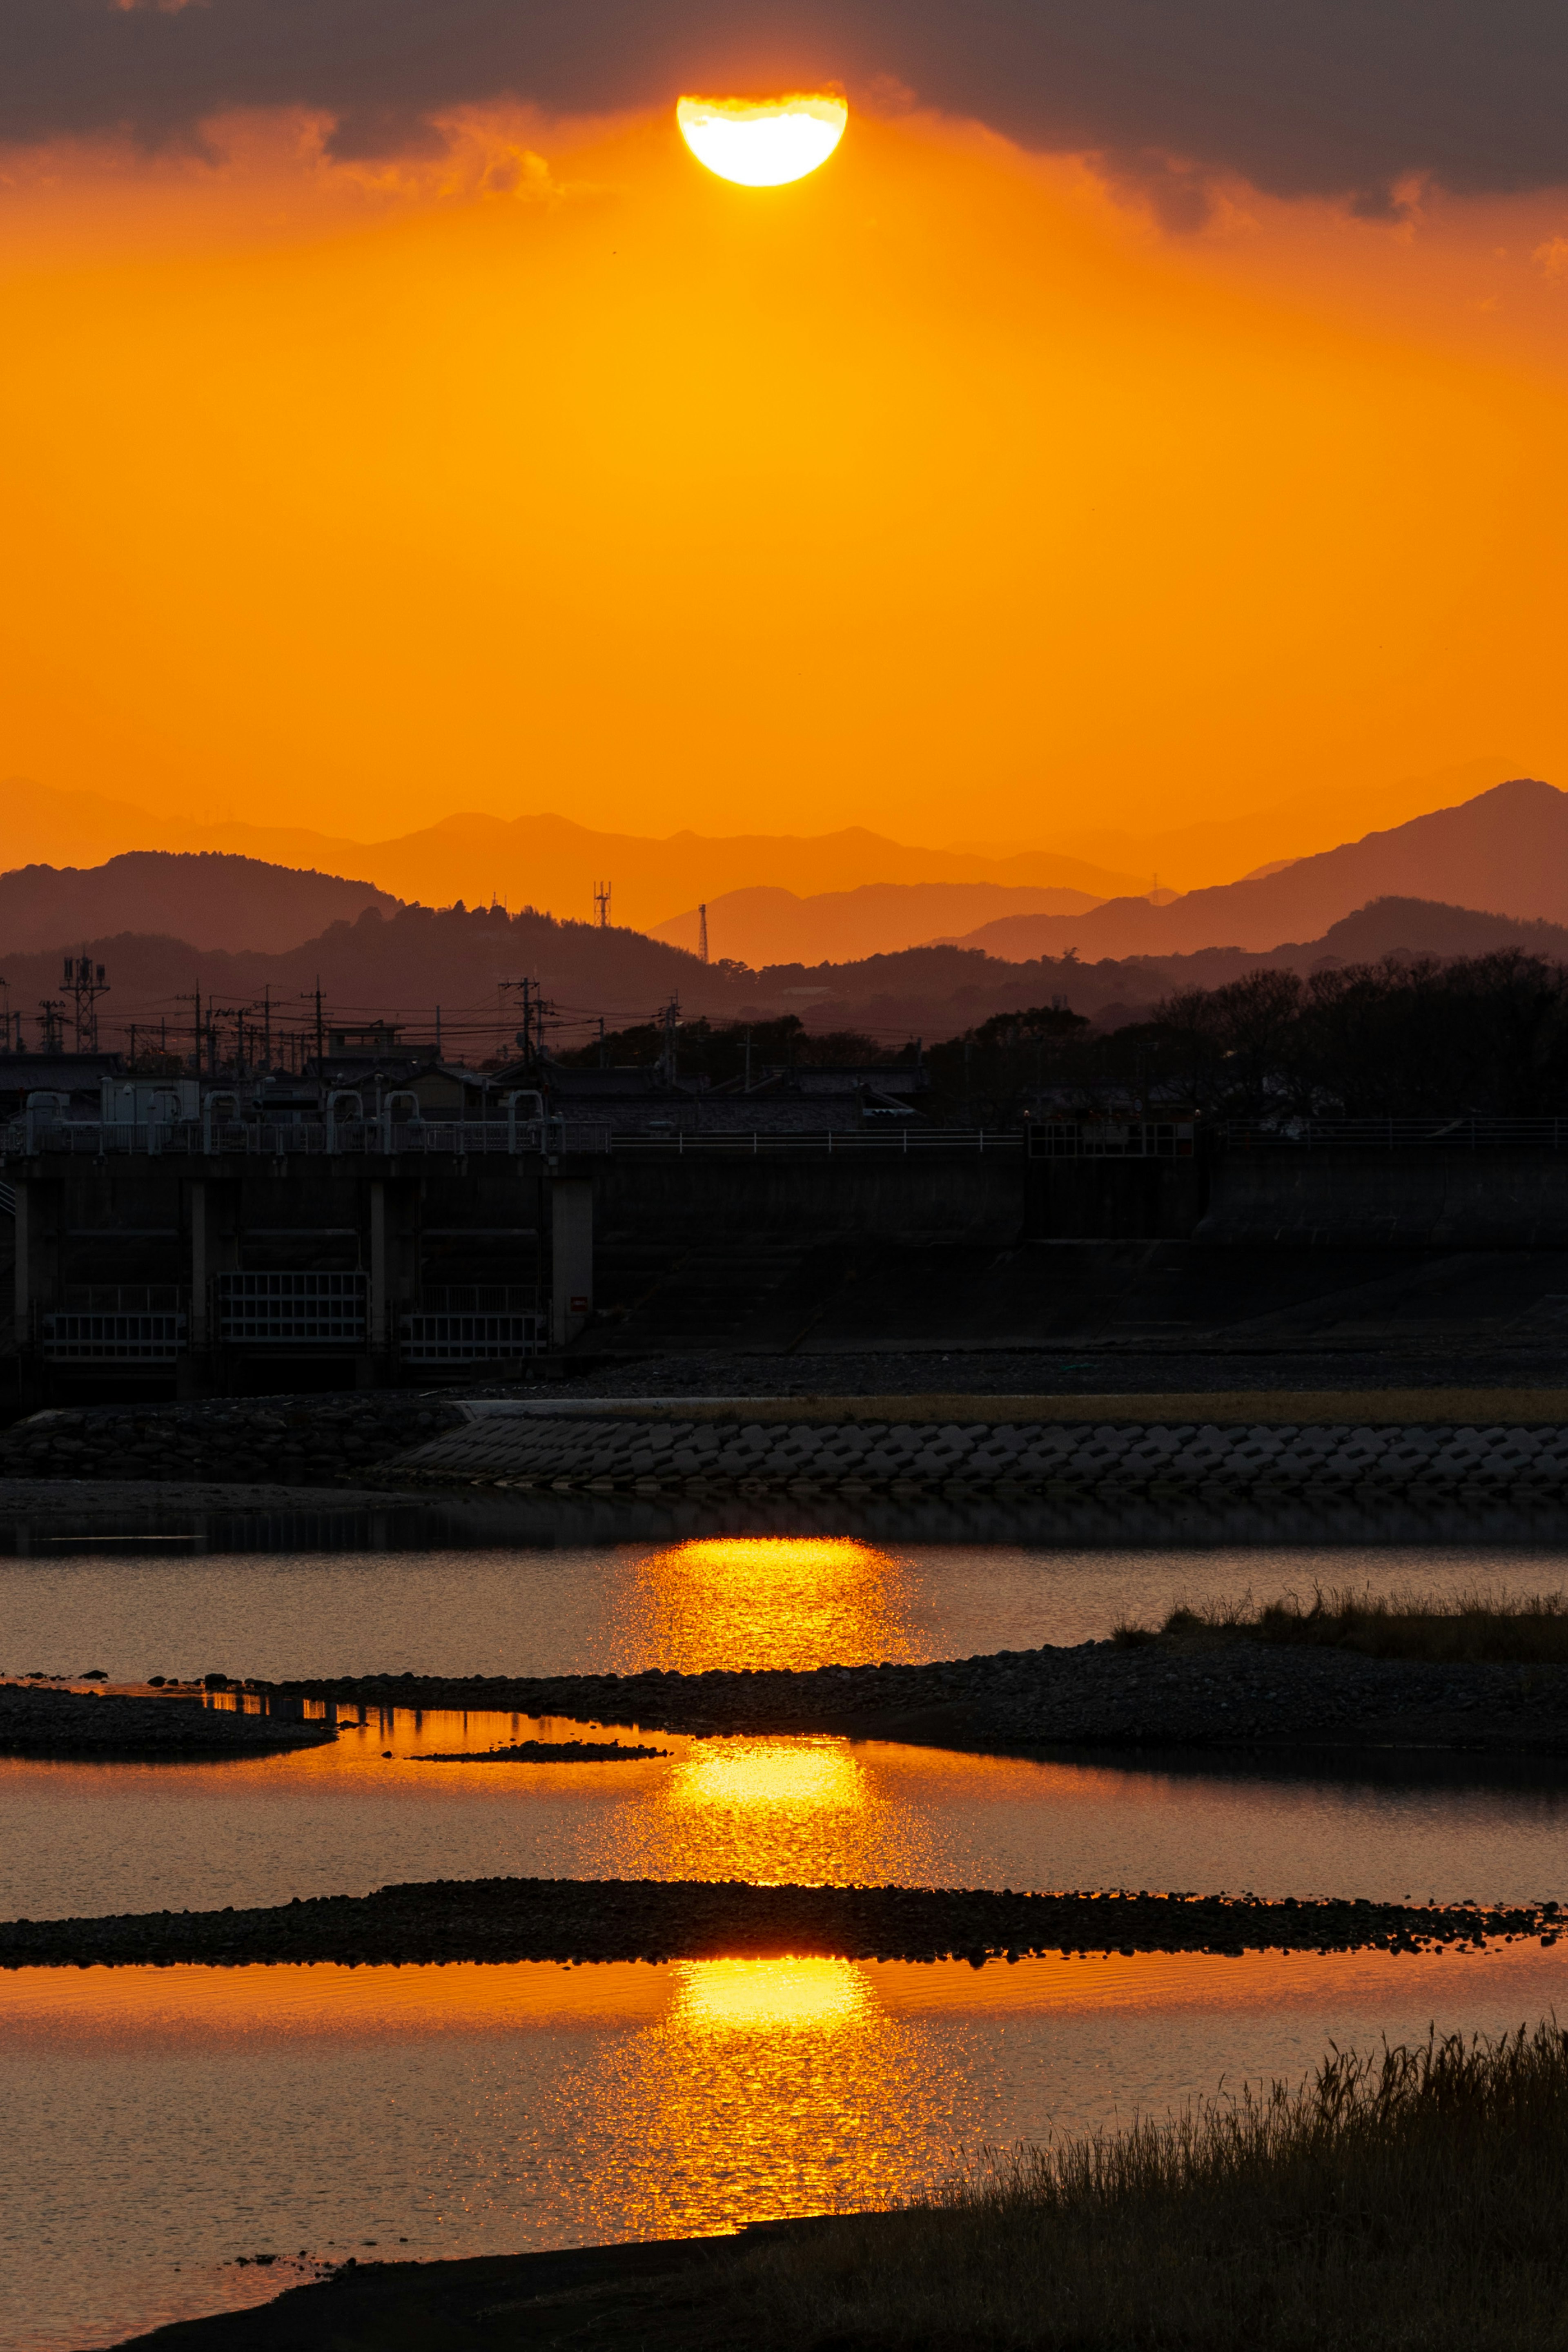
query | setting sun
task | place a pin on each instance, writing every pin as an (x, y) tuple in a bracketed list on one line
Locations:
[(762, 142)]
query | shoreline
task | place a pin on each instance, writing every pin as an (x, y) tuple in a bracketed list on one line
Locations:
[(588, 1920), (622, 2285), (1217, 1693), (40, 1724)]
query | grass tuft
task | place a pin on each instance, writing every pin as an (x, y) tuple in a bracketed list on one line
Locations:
[(1474, 1626), (1415, 2202)]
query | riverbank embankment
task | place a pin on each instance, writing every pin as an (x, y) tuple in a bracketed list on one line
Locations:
[(571, 1919), (1300, 1444), (1321, 1445)]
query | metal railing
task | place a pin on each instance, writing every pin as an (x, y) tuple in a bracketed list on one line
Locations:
[(124, 1298), (425, 1337), (258, 1138), (1454, 1134), (1112, 1139), (480, 1299), (282, 1138), (754, 1142), (306, 1309), (107, 1336)]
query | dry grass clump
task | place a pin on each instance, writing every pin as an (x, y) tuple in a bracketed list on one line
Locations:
[(1415, 2202), (1475, 1626)]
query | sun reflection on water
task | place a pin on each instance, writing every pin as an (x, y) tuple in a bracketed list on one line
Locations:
[(818, 1775), (769, 1811), (775, 1996), (799, 1601)]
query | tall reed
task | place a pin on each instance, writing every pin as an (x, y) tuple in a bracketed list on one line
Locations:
[(1415, 2200)]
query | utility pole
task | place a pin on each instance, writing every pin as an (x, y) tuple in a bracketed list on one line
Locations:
[(671, 1021), (194, 1000), (532, 1035), (702, 931), (51, 1007), (601, 904), (267, 1026), (601, 1041), (749, 1061), (320, 1033)]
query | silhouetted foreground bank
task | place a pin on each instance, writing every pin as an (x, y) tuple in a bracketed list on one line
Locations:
[(691, 1919), (1410, 2203)]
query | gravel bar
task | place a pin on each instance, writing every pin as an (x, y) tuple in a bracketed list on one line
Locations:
[(1196, 1692), (77, 1724), (659, 1919), (545, 1751)]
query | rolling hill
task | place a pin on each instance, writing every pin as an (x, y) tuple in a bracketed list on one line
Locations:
[(772, 926), (204, 898), (405, 966), (1505, 852)]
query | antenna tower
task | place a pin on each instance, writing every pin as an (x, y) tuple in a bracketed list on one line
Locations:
[(702, 931), (85, 982), (602, 904)]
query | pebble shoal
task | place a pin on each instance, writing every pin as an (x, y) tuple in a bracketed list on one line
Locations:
[(1215, 1693), (70, 1722), (499, 1919)]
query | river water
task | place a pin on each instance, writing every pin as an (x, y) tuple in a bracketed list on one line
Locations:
[(162, 2123), (714, 1601)]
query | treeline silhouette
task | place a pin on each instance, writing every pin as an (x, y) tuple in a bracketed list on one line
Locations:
[(1404, 1037), (723, 1051)]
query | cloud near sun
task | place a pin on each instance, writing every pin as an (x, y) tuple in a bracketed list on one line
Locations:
[(1335, 98)]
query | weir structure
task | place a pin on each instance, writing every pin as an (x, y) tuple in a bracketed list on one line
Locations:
[(176, 1243)]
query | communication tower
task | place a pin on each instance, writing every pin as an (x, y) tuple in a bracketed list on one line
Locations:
[(85, 982), (602, 904)]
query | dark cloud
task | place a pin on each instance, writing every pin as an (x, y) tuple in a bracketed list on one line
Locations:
[(1341, 98)]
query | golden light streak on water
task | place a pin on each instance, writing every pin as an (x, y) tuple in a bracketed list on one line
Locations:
[(774, 1996), (800, 1601), (193, 2006)]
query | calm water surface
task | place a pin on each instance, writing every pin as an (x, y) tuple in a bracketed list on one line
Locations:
[(161, 2122), (82, 1838), (720, 1600)]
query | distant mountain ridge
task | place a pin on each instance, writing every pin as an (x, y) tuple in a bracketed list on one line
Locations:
[(547, 862), (1505, 852), (773, 926), (203, 897)]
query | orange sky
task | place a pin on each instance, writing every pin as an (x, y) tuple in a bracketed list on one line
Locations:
[(942, 492)]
